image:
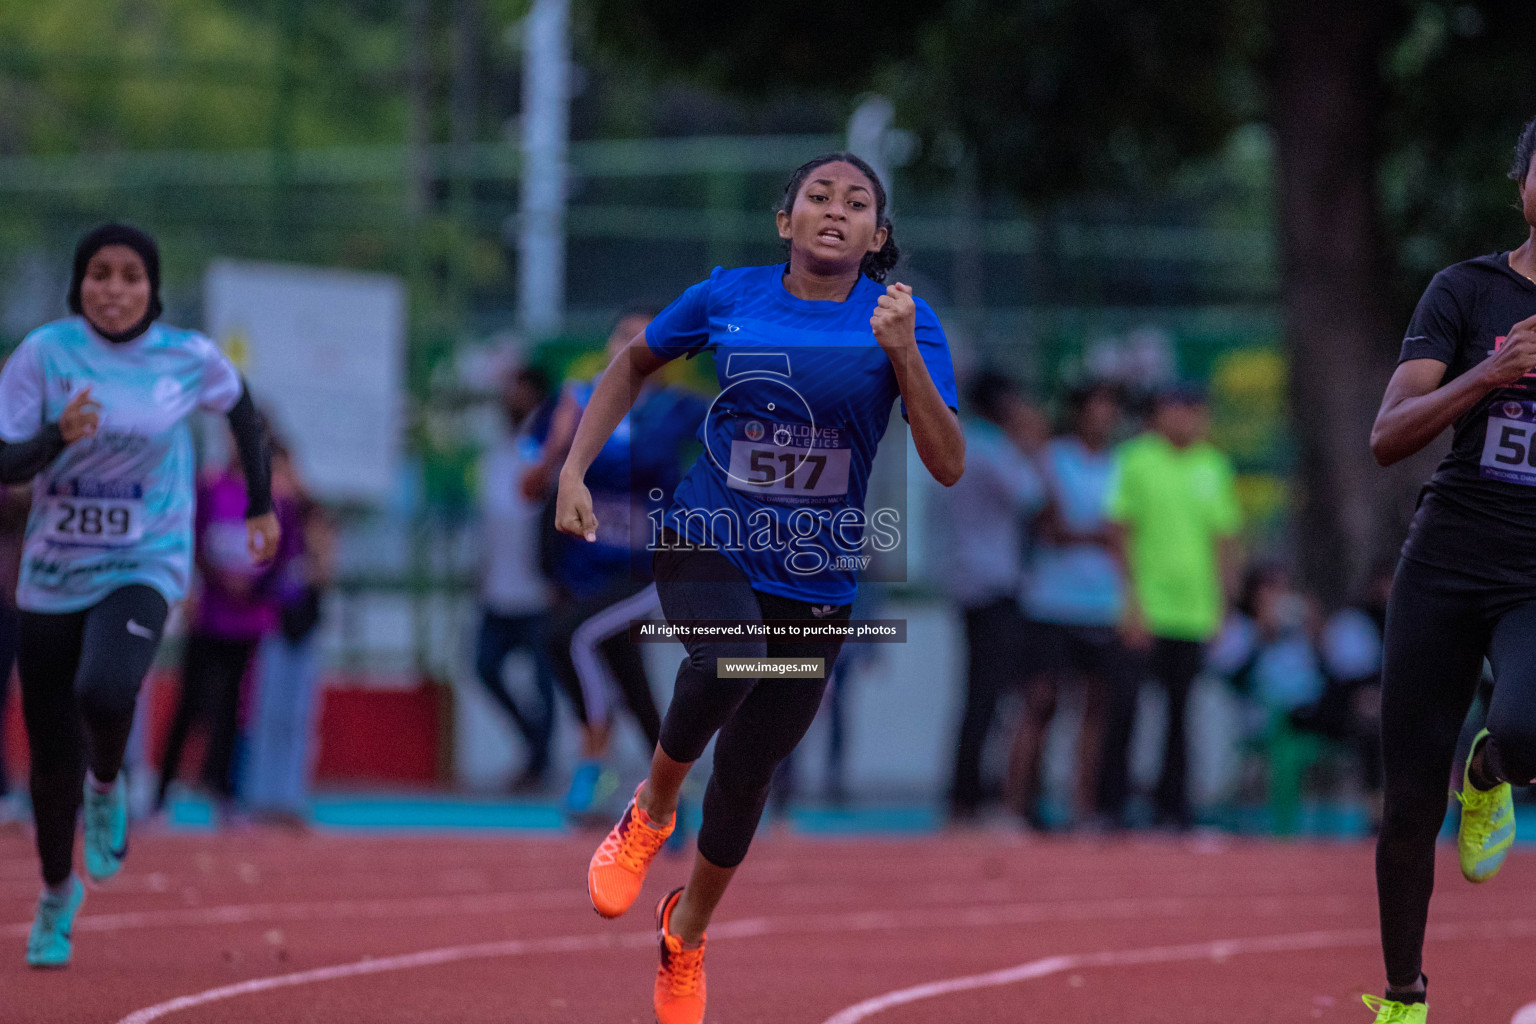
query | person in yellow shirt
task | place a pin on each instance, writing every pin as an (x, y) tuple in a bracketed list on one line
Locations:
[(1173, 499)]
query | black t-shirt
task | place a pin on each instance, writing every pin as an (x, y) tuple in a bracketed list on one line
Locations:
[(1477, 515)]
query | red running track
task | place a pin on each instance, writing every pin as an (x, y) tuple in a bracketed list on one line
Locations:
[(265, 927)]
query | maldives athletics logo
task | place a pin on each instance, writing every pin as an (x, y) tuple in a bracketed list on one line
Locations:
[(167, 392), (754, 430)]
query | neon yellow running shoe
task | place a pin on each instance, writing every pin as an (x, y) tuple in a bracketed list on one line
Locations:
[(1487, 824), (1390, 1012)]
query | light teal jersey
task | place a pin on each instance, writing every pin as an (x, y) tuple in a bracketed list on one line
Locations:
[(1076, 584), (115, 509)]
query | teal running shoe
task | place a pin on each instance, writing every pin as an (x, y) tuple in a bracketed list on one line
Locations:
[(50, 945), (604, 792), (593, 786), (106, 829), (678, 842), (582, 796)]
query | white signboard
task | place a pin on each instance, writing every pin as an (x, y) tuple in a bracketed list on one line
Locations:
[(324, 351)]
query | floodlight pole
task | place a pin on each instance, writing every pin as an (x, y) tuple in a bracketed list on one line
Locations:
[(545, 140), (869, 131), (290, 27), (463, 118)]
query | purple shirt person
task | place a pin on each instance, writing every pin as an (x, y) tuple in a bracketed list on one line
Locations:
[(236, 605), (238, 599)]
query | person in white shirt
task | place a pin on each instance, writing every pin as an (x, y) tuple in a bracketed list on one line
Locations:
[(987, 517), (513, 592)]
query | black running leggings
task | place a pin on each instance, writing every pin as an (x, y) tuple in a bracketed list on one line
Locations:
[(994, 667), (759, 720), (80, 678), (1439, 627), (621, 654), (7, 659)]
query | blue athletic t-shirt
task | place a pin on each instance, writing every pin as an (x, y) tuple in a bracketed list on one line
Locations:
[(806, 395)]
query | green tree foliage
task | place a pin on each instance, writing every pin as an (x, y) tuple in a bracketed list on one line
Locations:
[(1459, 90), (1392, 121), (82, 75), (758, 49), (1051, 97)]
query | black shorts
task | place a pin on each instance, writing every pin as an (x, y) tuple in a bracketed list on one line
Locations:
[(1071, 652)]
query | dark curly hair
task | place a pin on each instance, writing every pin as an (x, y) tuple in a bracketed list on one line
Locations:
[(1524, 150), (874, 265)]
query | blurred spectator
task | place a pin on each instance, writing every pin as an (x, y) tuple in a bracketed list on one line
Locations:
[(603, 585), (986, 518), (276, 784), (235, 606), (1267, 644), (514, 594), (1349, 710), (1174, 501), (15, 502), (1267, 649), (1074, 594)]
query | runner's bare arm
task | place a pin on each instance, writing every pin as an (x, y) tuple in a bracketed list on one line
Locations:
[(562, 428), (935, 429), (1416, 408), (611, 400)]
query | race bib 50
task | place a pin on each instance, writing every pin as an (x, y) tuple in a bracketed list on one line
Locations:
[(1509, 446)]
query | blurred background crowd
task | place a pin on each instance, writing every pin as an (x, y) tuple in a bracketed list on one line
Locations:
[(1173, 245)]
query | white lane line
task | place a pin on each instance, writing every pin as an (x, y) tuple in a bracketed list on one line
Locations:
[(426, 958), (1525, 1015), (424, 906), (248, 913), (992, 912), (430, 958), (1218, 950), (932, 917)]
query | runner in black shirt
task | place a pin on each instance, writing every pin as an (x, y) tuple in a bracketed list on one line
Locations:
[(1465, 588)]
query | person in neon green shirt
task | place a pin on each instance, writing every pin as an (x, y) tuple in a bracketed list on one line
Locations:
[(1173, 498)]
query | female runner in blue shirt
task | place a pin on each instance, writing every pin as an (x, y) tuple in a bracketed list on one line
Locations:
[(769, 523)]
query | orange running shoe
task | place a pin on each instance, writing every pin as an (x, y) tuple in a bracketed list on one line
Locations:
[(618, 867), (679, 996)]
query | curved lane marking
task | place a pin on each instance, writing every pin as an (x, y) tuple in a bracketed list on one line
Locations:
[(1218, 950), (931, 917)]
